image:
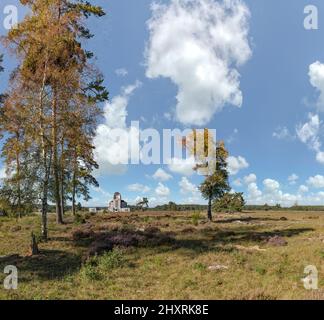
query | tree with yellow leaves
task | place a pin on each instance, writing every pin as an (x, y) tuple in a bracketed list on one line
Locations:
[(211, 161)]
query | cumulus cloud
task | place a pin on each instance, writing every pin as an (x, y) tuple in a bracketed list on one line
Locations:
[(271, 185), (320, 157), (308, 132), (199, 44), (253, 191), (111, 153), (272, 193), (303, 189), (162, 190), (191, 191), (250, 178), (316, 77), (292, 179), (235, 164), (137, 187), (187, 187), (156, 201), (161, 175), (182, 166), (316, 181)]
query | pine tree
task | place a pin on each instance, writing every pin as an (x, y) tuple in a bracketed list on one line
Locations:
[(201, 144), (59, 94)]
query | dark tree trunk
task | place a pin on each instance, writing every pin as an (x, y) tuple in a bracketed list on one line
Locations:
[(44, 211), (209, 211), (34, 246), (74, 181), (73, 201), (18, 177), (62, 179), (59, 217)]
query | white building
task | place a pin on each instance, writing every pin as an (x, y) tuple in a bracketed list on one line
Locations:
[(117, 204)]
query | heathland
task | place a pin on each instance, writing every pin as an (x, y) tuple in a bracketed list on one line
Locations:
[(166, 255)]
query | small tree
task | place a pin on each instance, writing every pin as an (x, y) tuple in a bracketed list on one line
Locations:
[(143, 204), (209, 154), (266, 207), (173, 206)]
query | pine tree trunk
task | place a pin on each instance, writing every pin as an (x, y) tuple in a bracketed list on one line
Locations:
[(74, 179), (44, 211), (46, 167), (34, 246), (62, 178), (18, 182), (73, 194), (59, 217), (209, 212)]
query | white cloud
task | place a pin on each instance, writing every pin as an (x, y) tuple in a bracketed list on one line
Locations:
[(316, 77), (162, 190), (187, 187), (320, 157), (282, 133), (122, 72), (137, 187), (303, 189), (308, 132), (199, 44), (272, 194), (156, 201), (191, 191), (271, 185), (316, 181), (182, 166), (250, 178), (161, 175), (235, 164), (110, 151), (253, 191), (292, 179)]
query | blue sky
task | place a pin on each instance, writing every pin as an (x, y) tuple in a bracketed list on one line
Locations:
[(274, 137)]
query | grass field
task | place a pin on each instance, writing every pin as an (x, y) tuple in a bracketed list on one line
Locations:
[(166, 255)]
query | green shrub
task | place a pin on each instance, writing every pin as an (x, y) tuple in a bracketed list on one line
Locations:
[(195, 218), (79, 219), (261, 271), (112, 259), (199, 266), (90, 271)]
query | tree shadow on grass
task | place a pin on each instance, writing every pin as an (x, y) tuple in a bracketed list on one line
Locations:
[(197, 241), (49, 265), (246, 219), (221, 238), (256, 236)]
